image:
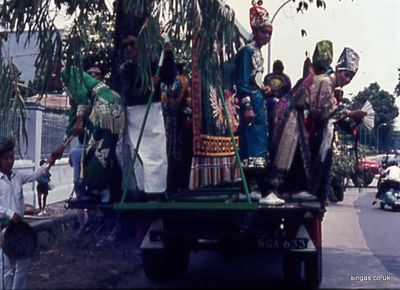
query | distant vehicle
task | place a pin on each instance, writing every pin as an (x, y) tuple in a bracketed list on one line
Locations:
[(373, 167), (390, 198), (367, 171)]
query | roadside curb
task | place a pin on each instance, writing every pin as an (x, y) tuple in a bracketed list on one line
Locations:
[(60, 224)]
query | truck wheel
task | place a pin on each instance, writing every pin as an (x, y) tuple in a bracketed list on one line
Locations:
[(291, 269), (313, 270), (303, 270), (340, 194), (165, 264)]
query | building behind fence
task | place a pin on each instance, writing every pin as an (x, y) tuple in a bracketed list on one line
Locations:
[(45, 127), (53, 131)]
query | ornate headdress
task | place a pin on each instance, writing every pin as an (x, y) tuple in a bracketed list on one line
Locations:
[(348, 60), (259, 16), (323, 53)]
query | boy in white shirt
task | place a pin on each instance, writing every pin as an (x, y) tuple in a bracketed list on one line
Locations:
[(13, 273)]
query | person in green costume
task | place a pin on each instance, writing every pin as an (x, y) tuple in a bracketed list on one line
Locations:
[(95, 112)]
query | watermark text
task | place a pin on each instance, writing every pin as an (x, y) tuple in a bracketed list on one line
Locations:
[(364, 278)]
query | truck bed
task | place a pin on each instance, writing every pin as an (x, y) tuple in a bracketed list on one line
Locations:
[(192, 205)]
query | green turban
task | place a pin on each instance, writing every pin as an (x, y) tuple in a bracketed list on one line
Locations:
[(79, 84), (107, 111), (323, 54)]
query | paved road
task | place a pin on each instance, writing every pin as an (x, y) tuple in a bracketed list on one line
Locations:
[(361, 244), (360, 250)]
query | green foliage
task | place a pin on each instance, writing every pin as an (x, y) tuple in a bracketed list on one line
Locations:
[(343, 166), (385, 110), (182, 21), (38, 17), (341, 169), (11, 98), (211, 20), (397, 89), (95, 42)]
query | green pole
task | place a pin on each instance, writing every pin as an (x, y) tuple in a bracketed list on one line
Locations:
[(244, 181), (136, 149)]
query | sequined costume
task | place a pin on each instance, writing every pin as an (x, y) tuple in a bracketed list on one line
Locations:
[(253, 137), (104, 120)]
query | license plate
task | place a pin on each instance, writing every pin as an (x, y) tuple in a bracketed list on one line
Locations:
[(287, 244)]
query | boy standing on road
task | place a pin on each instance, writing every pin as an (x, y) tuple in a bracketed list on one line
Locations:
[(74, 160), (14, 273), (42, 189)]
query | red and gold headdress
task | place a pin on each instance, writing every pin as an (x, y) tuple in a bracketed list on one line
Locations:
[(259, 16)]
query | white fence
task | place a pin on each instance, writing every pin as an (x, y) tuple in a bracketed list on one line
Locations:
[(61, 179), (62, 173)]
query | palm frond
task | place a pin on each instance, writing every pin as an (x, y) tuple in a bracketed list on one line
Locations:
[(211, 22), (12, 112)]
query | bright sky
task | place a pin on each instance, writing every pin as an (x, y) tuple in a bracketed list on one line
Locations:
[(371, 27)]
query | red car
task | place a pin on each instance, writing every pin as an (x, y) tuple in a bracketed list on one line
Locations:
[(368, 169)]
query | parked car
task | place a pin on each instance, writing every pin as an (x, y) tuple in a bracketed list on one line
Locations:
[(368, 169), (372, 166)]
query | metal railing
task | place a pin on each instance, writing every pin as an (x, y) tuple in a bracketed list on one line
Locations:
[(53, 130)]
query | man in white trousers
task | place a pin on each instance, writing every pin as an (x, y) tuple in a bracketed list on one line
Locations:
[(151, 163)]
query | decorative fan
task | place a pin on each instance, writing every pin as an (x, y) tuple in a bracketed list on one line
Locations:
[(369, 119)]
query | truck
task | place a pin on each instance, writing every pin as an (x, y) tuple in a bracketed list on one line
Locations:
[(215, 218)]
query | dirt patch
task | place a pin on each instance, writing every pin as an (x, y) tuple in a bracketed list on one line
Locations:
[(89, 261)]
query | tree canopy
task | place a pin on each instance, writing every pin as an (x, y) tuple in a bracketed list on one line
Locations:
[(211, 22), (397, 89)]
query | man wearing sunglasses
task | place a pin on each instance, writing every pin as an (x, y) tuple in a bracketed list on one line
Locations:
[(151, 163), (96, 72)]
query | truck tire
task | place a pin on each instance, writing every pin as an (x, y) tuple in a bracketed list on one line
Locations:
[(291, 269), (303, 270), (338, 186), (165, 264), (339, 194), (313, 270)]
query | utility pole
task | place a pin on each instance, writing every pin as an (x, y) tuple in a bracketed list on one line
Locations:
[(377, 136), (269, 43)]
